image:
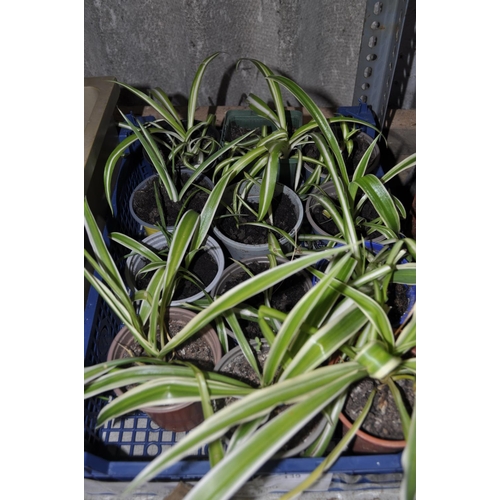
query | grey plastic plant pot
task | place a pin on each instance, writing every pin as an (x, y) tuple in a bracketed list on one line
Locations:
[(179, 417), (234, 271), (364, 140), (329, 189), (150, 229), (241, 251), (135, 263), (227, 364), (311, 202)]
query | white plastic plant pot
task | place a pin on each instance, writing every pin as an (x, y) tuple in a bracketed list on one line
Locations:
[(157, 241), (149, 228), (240, 251)]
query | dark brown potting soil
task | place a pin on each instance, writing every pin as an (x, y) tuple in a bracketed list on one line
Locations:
[(360, 145), (240, 369), (196, 349), (203, 266), (234, 131), (326, 223), (284, 295), (383, 420), (144, 202), (398, 300), (238, 229)]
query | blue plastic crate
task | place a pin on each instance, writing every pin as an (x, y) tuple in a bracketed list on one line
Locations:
[(121, 449)]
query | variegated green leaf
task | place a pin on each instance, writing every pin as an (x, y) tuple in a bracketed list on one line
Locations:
[(334, 454), (305, 311), (195, 88), (250, 407), (274, 89), (344, 323), (262, 109), (400, 167), (268, 184), (245, 290), (381, 200), (164, 113)]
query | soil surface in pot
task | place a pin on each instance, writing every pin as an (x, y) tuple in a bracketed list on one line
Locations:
[(238, 229), (367, 212), (234, 131), (196, 350), (144, 202), (203, 266), (284, 295), (240, 369), (397, 298), (359, 148), (383, 419)]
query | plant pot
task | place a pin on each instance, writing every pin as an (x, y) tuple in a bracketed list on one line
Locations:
[(410, 291), (148, 217), (361, 143), (365, 442), (239, 250), (178, 417), (414, 217), (240, 121), (157, 241), (234, 362), (294, 288), (323, 226)]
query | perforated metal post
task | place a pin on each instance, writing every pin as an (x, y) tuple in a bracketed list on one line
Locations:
[(378, 54)]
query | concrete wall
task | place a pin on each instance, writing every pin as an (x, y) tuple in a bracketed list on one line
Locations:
[(161, 43)]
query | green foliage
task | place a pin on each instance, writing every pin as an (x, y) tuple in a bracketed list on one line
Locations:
[(346, 314)]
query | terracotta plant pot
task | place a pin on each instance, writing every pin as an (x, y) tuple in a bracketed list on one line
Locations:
[(239, 250), (178, 417), (367, 442), (157, 241)]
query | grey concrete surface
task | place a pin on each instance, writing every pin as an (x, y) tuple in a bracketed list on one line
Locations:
[(162, 42)]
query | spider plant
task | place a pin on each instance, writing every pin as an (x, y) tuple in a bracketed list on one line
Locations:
[(189, 143), (387, 206), (281, 143), (145, 321), (344, 311)]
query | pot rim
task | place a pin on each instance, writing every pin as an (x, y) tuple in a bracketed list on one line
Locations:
[(207, 330), (291, 194), (214, 249)]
